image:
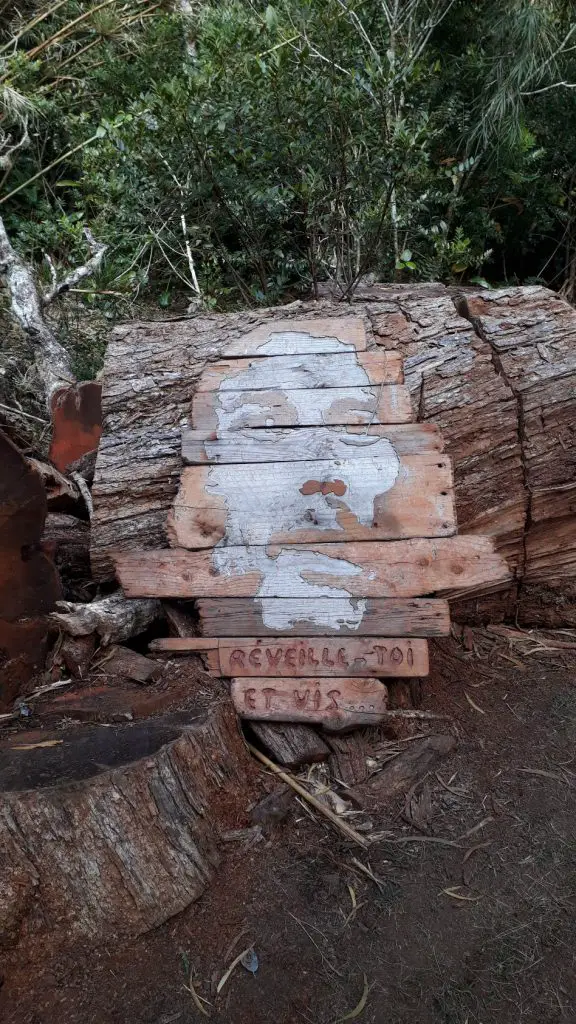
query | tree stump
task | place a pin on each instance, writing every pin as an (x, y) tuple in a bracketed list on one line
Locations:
[(112, 830)]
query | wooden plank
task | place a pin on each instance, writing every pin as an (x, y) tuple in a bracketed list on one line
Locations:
[(240, 616), (403, 568), (296, 337), (289, 444), (308, 407), (295, 372), (296, 656), (384, 498), (332, 703), (290, 744)]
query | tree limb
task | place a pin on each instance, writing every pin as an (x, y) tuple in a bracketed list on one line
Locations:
[(92, 266)]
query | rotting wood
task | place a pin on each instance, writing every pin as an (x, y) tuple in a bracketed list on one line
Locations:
[(293, 656), (290, 444), (406, 769), (296, 372), (335, 704), (405, 568), (130, 796), (386, 498), (124, 662), (291, 744), (298, 337), (308, 407), (113, 618), (238, 616)]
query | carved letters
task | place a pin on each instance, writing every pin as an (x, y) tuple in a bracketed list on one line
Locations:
[(337, 704), (323, 656)]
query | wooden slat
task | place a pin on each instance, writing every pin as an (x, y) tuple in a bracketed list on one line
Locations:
[(296, 337), (297, 656), (332, 703), (404, 568), (289, 444), (385, 498), (308, 407), (291, 744), (242, 616), (294, 372)]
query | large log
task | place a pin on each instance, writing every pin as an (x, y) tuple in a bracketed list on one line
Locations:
[(113, 829), (494, 369)]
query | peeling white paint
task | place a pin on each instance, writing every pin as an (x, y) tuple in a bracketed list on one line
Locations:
[(284, 343), (263, 499)]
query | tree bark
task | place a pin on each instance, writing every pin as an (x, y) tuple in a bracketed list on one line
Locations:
[(113, 618), (494, 369), (112, 830)]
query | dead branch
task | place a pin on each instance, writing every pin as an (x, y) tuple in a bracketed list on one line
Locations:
[(92, 266), (114, 618)]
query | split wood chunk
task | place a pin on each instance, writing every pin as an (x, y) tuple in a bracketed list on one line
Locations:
[(113, 830), (404, 568), (297, 337), (295, 656), (336, 704), (288, 444), (122, 661), (296, 372), (291, 744), (239, 616), (386, 498), (307, 407)]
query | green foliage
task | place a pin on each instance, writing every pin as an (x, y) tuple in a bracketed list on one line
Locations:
[(247, 151)]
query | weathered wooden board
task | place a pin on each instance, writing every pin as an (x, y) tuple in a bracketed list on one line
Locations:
[(384, 498), (295, 656), (291, 744), (218, 411), (404, 568), (295, 337), (240, 616), (333, 703), (289, 444), (295, 372)]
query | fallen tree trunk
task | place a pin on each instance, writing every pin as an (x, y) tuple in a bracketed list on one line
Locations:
[(112, 830), (494, 369)]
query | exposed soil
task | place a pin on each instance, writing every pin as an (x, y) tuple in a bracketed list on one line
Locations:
[(470, 918)]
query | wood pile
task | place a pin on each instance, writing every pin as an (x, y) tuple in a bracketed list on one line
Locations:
[(110, 696)]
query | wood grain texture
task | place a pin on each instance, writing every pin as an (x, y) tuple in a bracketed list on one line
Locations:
[(385, 498), (336, 334), (306, 407), (405, 568), (296, 372), (239, 616), (295, 656), (291, 744), (289, 444), (333, 703)]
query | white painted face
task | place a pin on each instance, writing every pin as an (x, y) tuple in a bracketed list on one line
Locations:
[(287, 499)]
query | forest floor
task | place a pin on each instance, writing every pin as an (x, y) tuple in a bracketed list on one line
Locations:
[(468, 920)]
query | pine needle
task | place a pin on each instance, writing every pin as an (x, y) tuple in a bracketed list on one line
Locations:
[(196, 998), (232, 967), (359, 1006), (473, 704)]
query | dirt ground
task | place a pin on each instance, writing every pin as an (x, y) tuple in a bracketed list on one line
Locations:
[(467, 918)]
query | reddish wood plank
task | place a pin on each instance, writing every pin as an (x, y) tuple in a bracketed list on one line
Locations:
[(325, 656), (278, 337), (290, 444), (296, 372), (386, 498), (333, 703), (405, 568), (215, 411), (240, 616)]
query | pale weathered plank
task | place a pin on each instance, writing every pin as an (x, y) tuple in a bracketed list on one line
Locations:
[(295, 656), (403, 568), (332, 703), (295, 372), (221, 411), (296, 337), (384, 498), (289, 444), (242, 616)]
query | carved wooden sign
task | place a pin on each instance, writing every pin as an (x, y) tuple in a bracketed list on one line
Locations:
[(312, 517), (334, 703), (296, 656)]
